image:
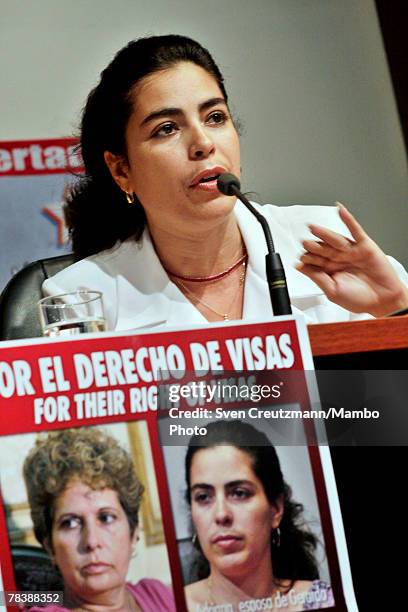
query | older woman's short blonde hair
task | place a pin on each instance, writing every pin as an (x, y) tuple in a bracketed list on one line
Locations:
[(86, 454)]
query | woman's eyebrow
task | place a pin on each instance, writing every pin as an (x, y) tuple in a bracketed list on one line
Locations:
[(163, 112), (237, 483), (210, 103), (107, 508), (172, 111), (64, 515), (200, 485), (229, 484)]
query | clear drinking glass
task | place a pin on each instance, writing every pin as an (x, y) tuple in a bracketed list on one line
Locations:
[(70, 314)]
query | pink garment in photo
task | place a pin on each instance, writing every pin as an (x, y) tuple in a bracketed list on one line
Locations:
[(151, 595)]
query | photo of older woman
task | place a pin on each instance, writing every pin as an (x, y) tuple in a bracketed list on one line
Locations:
[(84, 497), (253, 545)]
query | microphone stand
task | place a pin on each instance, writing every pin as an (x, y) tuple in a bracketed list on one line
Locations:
[(275, 272)]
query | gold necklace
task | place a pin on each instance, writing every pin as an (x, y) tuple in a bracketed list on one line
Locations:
[(224, 315)]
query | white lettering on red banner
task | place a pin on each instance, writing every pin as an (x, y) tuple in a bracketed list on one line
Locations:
[(87, 379), (54, 156)]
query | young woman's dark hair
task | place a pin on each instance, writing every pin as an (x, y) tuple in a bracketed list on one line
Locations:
[(293, 552), (96, 210)]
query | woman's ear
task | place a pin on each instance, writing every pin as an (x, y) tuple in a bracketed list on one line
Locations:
[(135, 537), (277, 512), (119, 169)]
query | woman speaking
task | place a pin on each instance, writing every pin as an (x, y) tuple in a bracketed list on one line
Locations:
[(160, 241), (84, 498)]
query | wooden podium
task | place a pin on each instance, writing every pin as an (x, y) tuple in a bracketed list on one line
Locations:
[(370, 479), (372, 344)]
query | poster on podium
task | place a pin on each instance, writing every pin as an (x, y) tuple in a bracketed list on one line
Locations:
[(199, 445)]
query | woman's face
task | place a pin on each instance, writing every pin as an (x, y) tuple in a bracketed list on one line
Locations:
[(91, 540), (179, 135), (232, 516)]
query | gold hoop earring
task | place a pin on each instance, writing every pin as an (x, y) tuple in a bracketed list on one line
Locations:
[(130, 197)]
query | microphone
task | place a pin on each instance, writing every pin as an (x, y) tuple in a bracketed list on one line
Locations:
[(229, 185)]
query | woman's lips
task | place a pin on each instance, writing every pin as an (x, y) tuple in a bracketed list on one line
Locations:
[(227, 542), (206, 180), (207, 186), (95, 568)]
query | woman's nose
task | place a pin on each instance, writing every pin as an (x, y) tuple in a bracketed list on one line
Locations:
[(223, 513), (201, 145), (90, 537)]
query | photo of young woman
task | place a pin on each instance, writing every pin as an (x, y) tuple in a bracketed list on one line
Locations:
[(250, 540)]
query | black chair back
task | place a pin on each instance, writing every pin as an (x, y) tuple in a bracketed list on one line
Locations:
[(18, 302), (33, 570)]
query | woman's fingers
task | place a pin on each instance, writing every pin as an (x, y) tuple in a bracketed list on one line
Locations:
[(333, 239), (351, 223), (323, 250), (315, 260), (354, 273), (338, 248), (328, 265), (336, 240), (321, 278), (316, 247)]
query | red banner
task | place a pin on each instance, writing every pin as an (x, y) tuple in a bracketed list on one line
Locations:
[(51, 156), (89, 381)]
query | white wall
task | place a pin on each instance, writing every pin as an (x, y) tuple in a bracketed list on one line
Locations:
[(308, 78)]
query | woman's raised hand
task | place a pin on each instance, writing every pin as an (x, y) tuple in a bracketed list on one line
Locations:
[(353, 273)]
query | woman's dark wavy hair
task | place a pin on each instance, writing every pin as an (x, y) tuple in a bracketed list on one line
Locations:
[(294, 557), (96, 210)]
